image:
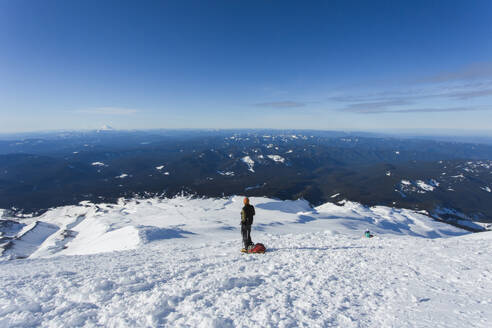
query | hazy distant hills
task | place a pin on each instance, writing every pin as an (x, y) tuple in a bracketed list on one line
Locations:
[(451, 180)]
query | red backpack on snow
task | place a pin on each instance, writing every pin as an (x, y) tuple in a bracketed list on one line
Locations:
[(258, 248)]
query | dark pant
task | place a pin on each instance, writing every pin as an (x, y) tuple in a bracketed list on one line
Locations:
[(246, 232)]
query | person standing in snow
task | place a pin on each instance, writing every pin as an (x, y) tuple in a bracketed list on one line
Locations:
[(247, 214)]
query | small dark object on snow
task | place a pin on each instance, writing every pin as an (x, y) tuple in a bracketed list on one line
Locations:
[(368, 234), (258, 248)]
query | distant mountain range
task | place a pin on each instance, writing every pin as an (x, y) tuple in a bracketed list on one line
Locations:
[(451, 181)]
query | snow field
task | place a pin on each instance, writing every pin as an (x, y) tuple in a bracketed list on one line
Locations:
[(176, 263), (305, 280)]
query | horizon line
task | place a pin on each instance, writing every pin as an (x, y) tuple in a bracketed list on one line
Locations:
[(419, 131)]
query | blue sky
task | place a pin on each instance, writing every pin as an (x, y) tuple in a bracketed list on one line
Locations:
[(337, 65)]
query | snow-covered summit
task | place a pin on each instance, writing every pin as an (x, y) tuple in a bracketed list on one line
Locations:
[(89, 228), (176, 262), (105, 127)]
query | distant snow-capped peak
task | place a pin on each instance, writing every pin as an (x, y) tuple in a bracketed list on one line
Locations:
[(105, 127)]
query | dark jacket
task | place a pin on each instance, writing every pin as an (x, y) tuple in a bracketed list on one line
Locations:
[(247, 214)]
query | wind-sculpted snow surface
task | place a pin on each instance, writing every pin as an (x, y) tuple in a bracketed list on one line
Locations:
[(176, 263), (90, 228)]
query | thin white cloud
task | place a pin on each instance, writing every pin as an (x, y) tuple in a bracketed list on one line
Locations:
[(374, 109), (461, 92), (470, 72), (470, 94), (376, 106), (108, 111), (281, 104)]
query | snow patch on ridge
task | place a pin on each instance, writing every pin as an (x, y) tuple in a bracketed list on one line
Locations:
[(249, 162), (276, 158), (98, 164), (424, 186), (226, 173), (418, 186)]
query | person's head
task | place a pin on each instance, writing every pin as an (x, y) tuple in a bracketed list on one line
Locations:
[(246, 201)]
